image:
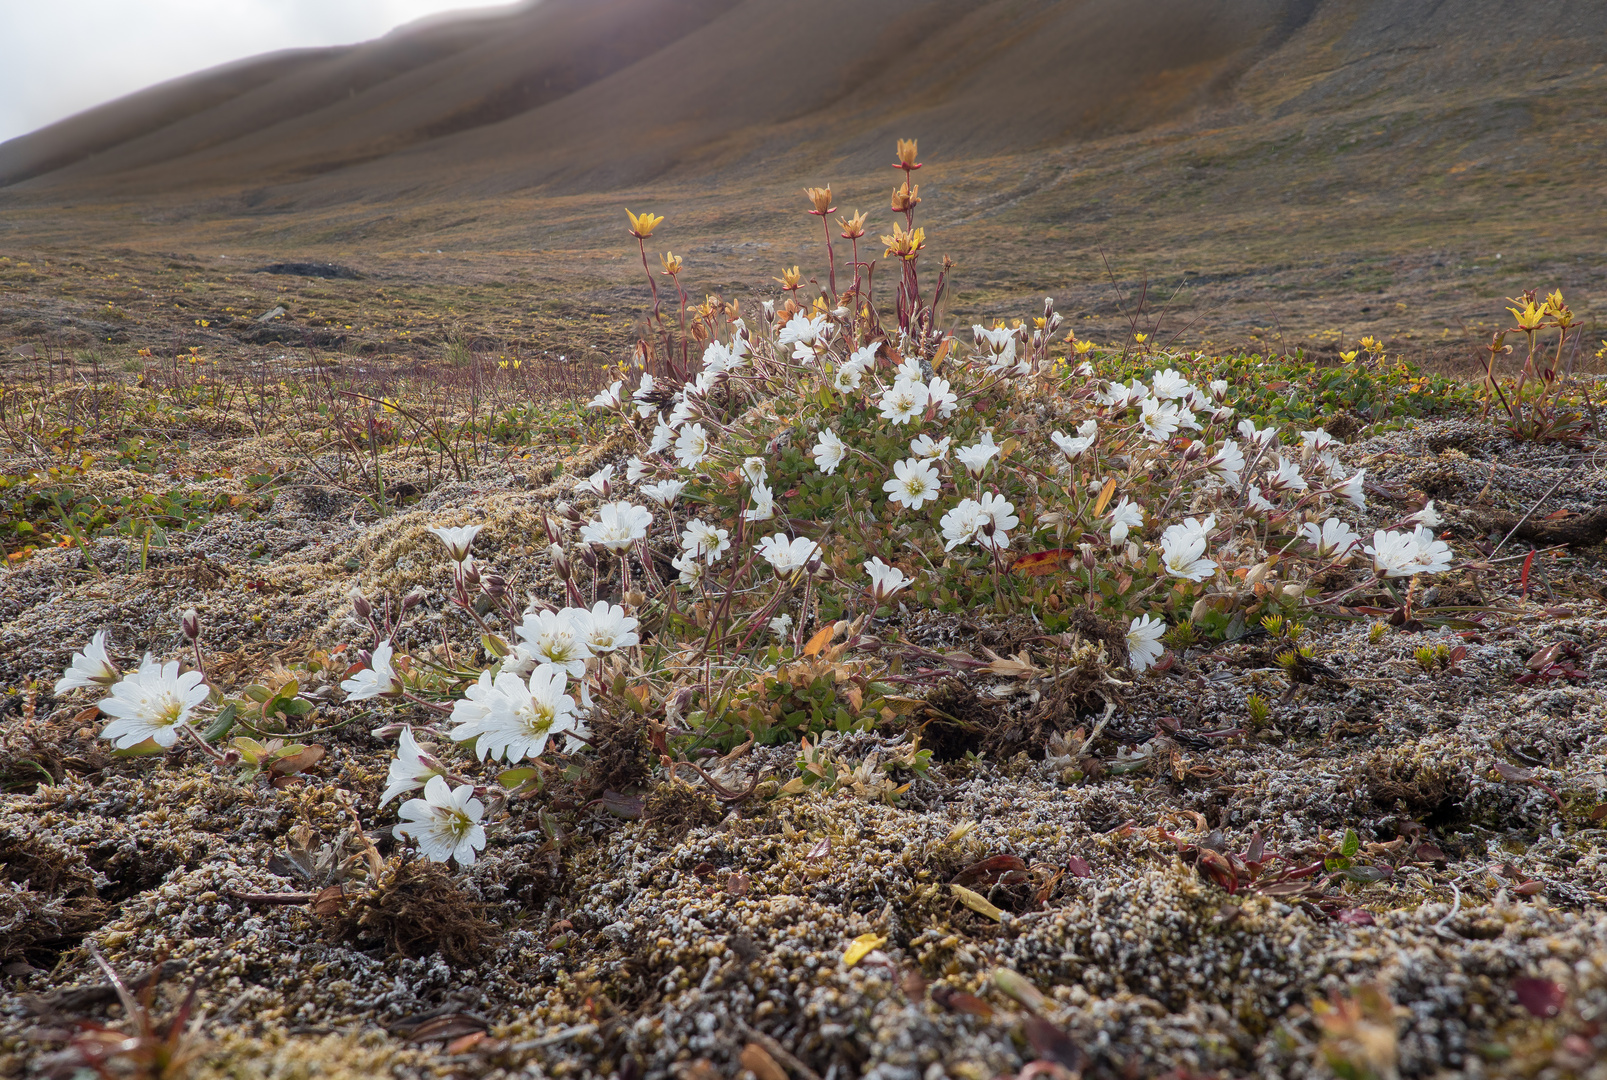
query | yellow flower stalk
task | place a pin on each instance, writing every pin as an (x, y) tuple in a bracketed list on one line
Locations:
[(671, 263), (906, 198), (854, 227), (790, 279)]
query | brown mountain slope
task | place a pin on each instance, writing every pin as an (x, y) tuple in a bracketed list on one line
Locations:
[(578, 93)]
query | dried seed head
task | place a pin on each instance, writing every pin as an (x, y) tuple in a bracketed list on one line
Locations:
[(190, 624)]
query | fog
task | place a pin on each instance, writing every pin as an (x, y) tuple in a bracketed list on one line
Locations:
[(59, 57)]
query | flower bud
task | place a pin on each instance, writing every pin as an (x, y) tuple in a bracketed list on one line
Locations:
[(471, 572), (565, 510), (812, 567), (231, 757), (190, 624), (589, 557), (361, 606), (560, 561), (1088, 561), (411, 601), (495, 586), (635, 598)]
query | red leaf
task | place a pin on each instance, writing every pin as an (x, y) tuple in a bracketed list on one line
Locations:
[(1427, 852), (961, 1002), (1356, 917), (1078, 866), (1541, 997), (1051, 1042), (989, 870), (1038, 563), (1523, 577)]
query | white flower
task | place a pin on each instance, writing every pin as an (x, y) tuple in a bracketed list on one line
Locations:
[(92, 667), (1228, 463), (975, 458), (997, 518), (1087, 433), (378, 679), (914, 483), (999, 345), (1256, 502), (519, 716), (828, 452), (847, 378), (753, 468), (923, 446), (1247, 431), (764, 504), (1183, 549), (700, 540), (665, 492), (885, 580), (787, 556), (663, 437), (1160, 419), (410, 769), (703, 382), (1398, 554), (941, 397), (1352, 489), (607, 399), (1144, 642), (556, 638), (1332, 539), (903, 401), (1426, 516), (153, 703), (598, 483), (457, 541), (606, 628), (1316, 441), (1170, 384), (445, 824), (1219, 387), (642, 393), (618, 526), (909, 370), (960, 524), (683, 409), (692, 446), (1288, 477), (717, 358), (1125, 516), (781, 625), (690, 567), (802, 331), (636, 470)]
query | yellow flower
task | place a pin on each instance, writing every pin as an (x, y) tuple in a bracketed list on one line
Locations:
[(1141, 338), (790, 279), (642, 227), (672, 263), (1530, 317), (1559, 310), (906, 155), (1601, 353), (854, 227), (389, 405), (906, 245), (1040, 322), (1372, 344), (821, 197), (1349, 357), (906, 198), (1082, 347)]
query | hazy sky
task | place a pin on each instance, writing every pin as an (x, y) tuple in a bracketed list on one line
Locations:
[(58, 57)]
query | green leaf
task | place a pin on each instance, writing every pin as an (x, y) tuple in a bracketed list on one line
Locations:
[(258, 693), (512, 778), (221, 724), (144, 749), (1351, 845)]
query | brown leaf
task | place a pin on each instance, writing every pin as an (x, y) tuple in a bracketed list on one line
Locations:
[(1077, 866), (1105, 493), (446, 1028), (958, 1001), (1541, 997), (1355, 917), (757, 1060), (1052, 1043), (913, 984), (1599, 812), (1427, 852), (295, 763), (327, 903), (739, 884), (989, 870), (820, 849), (1040, 563), (820, 640), (704, 869), (466, 1043)]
